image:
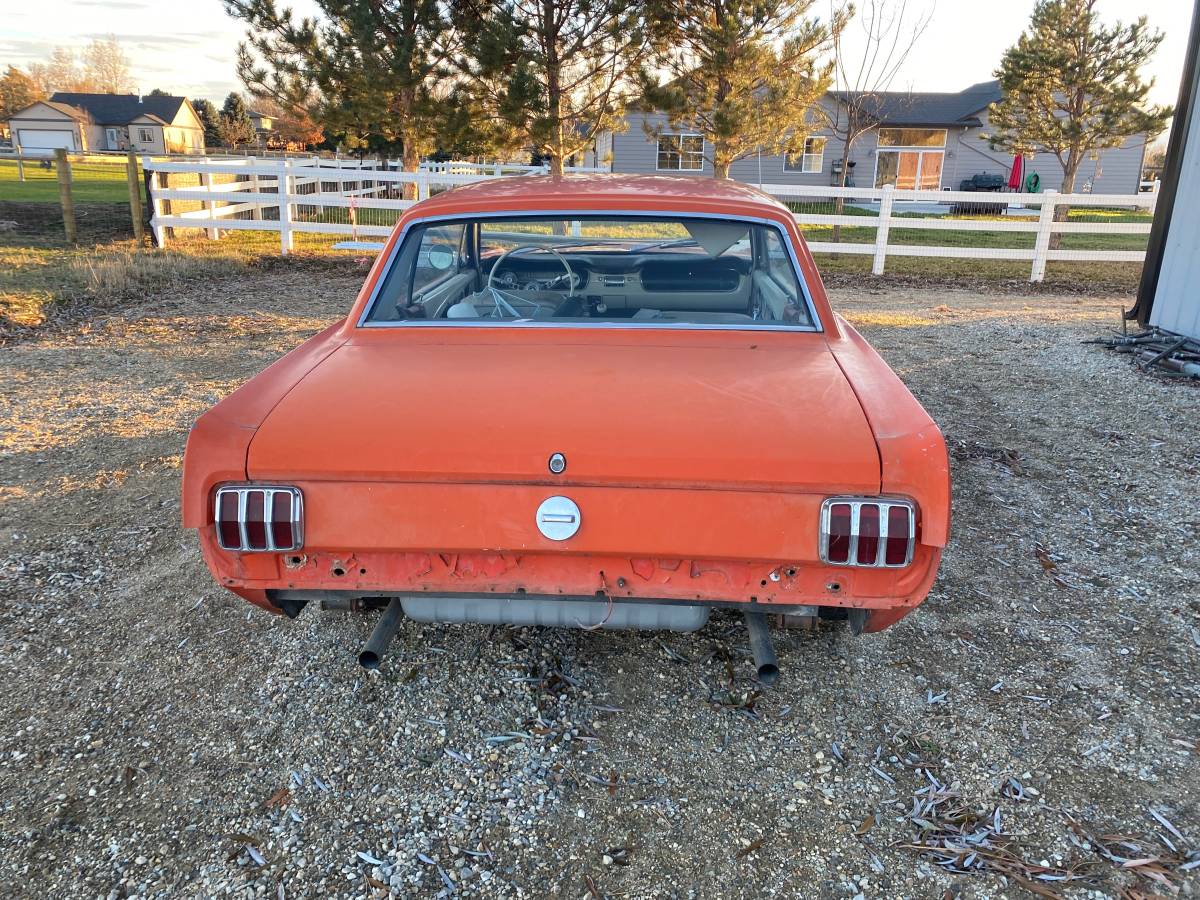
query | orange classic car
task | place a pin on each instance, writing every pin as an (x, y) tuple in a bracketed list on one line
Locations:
[(598, 401)]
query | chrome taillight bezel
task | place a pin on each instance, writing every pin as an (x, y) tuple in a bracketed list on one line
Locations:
[(856, 504), (269, 492)]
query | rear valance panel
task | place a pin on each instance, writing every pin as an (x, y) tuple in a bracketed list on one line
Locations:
[(503, 518)]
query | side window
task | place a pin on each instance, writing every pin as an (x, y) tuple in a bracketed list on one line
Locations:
[(439, 256), (779, 292), (779, 264)]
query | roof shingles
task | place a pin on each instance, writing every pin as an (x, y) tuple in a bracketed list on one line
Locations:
[(926, 108), (120, 109)]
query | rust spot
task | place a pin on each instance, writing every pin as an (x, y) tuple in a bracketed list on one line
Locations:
[(643, 568)]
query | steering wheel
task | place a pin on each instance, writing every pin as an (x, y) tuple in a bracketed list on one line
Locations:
[(502, 305)]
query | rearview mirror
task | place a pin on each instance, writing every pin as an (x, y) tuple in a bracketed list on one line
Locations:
[(441, 259)]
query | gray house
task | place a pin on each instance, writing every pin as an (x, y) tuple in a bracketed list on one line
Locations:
[(930, 141)]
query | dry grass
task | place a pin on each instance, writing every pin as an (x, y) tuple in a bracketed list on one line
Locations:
[(122, 273), (41, 282)]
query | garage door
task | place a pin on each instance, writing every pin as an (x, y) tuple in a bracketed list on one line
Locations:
[(45, 139)]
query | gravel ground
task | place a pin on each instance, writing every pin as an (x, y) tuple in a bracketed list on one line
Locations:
[(160, 737)]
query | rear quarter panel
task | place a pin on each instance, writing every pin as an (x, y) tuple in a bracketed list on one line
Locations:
[(219, 442), (912, 451)]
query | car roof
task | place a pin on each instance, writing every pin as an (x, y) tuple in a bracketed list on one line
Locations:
[(600, 191)]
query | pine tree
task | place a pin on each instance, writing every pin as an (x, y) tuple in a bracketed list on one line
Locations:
[(745, 74), (1072, 86), (234, 125), (17, 91), (547, 75), (210, 118), (364, 71)]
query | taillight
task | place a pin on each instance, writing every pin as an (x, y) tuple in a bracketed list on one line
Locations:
[(868, 533), (256, 518)]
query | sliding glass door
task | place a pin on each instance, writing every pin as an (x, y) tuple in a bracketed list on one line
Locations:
[(909, 169), (910, 158)]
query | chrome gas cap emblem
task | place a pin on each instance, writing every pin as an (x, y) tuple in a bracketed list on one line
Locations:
[(558, 463), (558, 518)]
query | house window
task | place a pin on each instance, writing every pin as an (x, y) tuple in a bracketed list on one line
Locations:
[(145, 135), (810, 161), (910, 158), (912, 137), (680, 152)]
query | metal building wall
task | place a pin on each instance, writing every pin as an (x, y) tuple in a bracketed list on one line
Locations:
[(1177, 297), (1169, 293)]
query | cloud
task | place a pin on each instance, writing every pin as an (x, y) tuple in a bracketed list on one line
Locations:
[(161, 39), (25, 50), (110, 4)]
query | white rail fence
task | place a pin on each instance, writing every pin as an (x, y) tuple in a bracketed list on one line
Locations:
[(351, 197)]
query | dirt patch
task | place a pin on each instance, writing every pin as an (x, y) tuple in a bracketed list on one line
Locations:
[(160, 737)]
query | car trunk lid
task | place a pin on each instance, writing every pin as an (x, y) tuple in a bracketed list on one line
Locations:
[(746, 414)]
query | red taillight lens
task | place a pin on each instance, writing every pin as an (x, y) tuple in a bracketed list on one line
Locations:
[(256, 527), (898, 536), (281, 520), (253, 518), (867, 532), (227, 520), (868, 535), (839, 533)]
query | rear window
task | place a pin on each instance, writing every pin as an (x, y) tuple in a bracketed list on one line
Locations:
[(634, 270)]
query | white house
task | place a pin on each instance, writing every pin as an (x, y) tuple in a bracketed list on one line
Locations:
[(96, 122)]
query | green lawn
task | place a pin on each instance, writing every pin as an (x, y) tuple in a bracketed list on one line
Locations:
[(1017, 240), (93, 181)]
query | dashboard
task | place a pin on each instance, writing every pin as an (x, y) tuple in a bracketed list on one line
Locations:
[(620, 281)]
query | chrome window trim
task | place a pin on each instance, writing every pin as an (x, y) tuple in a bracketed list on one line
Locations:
[(241, 491), (856, 504), (816, 327)]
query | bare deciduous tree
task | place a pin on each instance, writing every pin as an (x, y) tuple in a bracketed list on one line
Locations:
[(106, 67), (890, 29), (100, 68)]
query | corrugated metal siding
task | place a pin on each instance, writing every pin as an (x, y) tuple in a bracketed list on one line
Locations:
[(1177, 295)]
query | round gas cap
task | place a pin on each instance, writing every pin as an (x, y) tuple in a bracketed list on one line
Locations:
[(558, 518), (558, 463)]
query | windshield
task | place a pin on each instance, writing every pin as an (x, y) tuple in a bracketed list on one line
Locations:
[(633, 270)]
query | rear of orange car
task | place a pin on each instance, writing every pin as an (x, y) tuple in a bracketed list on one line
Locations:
[(621, 476)]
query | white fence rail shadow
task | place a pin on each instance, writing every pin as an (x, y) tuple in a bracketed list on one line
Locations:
[(352, 197)]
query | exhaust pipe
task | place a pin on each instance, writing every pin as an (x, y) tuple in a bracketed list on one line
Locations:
[(760, 647), (385, 630)]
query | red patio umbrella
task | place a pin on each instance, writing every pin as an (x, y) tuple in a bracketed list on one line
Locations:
[(1016, 175)]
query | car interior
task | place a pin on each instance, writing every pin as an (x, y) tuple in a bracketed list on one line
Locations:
[(633, 270)]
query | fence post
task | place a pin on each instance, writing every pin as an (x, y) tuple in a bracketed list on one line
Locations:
[(20, 161), (256, 210), (209, 206), (64, 195), (422, 186), (284, 181), (135, 196), (156, 205), (881, 231), (1041, 244)]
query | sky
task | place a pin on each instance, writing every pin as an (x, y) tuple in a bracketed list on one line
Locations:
[(189, 47)]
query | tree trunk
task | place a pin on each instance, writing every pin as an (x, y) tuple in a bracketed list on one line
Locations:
[(556, 164), (839, 203), (1062, 211), (410, 160), (720, 168)]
